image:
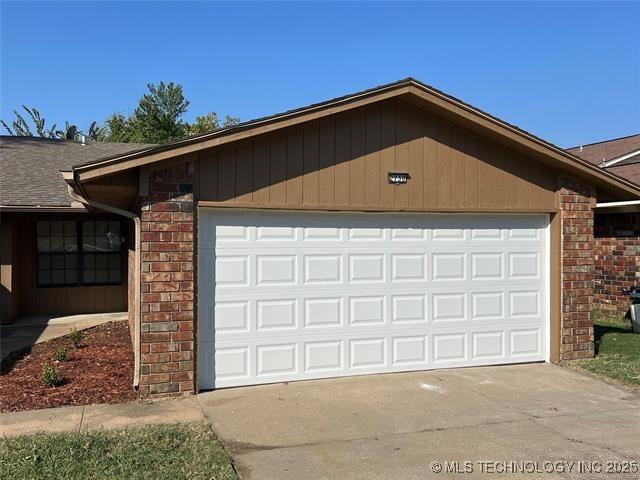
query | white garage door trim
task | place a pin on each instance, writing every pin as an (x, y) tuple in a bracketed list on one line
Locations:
[(304, 295)]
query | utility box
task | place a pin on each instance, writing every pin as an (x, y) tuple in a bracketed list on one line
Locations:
[(634, 308)]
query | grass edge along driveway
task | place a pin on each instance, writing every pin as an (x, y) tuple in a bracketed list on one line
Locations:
[(183, 451), (617, 351)]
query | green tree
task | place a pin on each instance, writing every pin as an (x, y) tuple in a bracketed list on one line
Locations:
[(158, 118), (210, 122), (22, 128), (115, 129)]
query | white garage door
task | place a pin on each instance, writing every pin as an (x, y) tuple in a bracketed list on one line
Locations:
[(292, 295)]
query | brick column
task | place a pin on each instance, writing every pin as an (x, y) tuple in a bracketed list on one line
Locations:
[(576, 203), (167, 283)]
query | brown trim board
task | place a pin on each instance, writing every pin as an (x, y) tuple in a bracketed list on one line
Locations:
[(364, 208), (555, 286)]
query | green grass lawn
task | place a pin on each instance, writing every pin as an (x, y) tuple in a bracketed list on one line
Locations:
[(155, 452), (617, 351)]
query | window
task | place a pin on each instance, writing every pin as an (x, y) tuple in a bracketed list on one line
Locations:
[(57, 253), (74, 253), (101, 252)]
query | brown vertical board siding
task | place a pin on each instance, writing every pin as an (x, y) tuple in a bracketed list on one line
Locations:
[(471, 166), (342, 161), (403, 151), (208, 177), (458, 164), (416, 159), (543, 180), (357, 159), (244, 173), (227, 174), (295, 166), (485, 174), (387, 153), (278, 170), (343, 154), (326, 162), (8, 291), (523, 185), (445, 179), (535, 178), (261, 168), (310, 160), (430, 162), (497, 178), (511, 179), (372, 157)]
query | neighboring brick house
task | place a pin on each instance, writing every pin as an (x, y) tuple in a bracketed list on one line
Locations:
[(390, 230), (617, 226)]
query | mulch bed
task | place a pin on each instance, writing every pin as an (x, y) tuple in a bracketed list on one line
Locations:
[(100, 371)]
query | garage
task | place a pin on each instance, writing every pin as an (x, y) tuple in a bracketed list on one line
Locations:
[(394, 229), (291, 295)]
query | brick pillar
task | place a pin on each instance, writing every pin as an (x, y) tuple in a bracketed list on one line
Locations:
[(167, 283), (576, 203)]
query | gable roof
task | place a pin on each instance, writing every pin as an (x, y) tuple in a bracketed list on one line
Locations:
[(607, 150), (30, 168), (620, 156), (409, 89)]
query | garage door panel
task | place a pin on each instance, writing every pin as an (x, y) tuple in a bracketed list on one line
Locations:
[(273, 360), (275, 312), (316, 295)]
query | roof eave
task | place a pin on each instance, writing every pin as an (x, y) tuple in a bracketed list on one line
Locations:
[(73, 208), (408, 87)]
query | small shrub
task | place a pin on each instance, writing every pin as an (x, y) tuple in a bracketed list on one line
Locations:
[(76, 337), (60, 355), (50, 376)]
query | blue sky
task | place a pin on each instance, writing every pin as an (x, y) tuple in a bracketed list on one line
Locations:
[(568, 72)]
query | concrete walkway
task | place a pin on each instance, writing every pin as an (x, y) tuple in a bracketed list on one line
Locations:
[(393, 426), (28, 331), (78, 419)]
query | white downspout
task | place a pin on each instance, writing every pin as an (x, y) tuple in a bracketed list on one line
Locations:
[(136, 312)]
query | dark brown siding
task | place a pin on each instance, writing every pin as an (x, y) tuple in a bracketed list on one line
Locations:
[(119, 190), (341, 162), (8, 293)]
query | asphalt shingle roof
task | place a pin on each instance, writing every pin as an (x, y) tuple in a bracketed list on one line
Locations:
[(610, 149), (607, 150), (30, 167)]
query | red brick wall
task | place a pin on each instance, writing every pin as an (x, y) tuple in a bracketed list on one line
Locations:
[(578, 270), (167, 283), (617, 259)]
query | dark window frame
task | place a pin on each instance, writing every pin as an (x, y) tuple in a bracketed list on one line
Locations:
[(80, 253), (97, 253)]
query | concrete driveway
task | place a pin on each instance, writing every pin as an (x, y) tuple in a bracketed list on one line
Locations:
[(396, 425)]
